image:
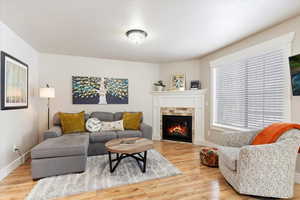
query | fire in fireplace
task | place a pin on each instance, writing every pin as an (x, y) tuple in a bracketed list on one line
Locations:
[(178, 128)]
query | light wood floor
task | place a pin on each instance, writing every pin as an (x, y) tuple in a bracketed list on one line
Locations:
[(197, 181)]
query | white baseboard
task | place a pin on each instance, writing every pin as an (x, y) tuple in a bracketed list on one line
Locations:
[(5, 171), (297, 178)]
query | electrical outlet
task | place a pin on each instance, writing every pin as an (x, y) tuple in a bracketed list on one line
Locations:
[(16, 148)]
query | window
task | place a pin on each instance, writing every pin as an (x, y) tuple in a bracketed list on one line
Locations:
[(251, 88)]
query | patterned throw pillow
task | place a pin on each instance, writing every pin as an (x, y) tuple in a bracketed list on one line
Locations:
[(112, 126), (93, 125)]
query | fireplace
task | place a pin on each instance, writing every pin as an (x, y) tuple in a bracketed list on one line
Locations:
[(176, 127)]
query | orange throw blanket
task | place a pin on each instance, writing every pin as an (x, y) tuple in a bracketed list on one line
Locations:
[(271, 133)]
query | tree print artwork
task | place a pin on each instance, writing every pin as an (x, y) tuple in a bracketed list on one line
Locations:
[(99, 90)]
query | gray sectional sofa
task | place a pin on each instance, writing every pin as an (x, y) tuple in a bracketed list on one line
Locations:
[(61, 154)]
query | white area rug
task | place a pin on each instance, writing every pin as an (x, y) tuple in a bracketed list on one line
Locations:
[(97, 176)]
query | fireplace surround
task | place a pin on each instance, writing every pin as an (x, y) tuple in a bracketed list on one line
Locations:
[(183, 103)]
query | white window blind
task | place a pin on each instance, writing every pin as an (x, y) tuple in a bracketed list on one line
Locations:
[(252, 91)]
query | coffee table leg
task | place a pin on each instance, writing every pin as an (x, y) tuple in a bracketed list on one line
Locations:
[(139, 158), (110, 162), (145, 161)]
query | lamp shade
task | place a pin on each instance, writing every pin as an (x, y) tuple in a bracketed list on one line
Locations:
[(47, 92)]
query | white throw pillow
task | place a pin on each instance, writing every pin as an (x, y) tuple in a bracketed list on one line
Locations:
[(93, 125), (112, 126)]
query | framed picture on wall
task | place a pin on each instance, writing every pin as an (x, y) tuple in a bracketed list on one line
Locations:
[(178, 81), (295, 74), (14, 83), (99, 90)]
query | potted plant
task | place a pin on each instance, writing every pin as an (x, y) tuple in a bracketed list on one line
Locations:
[(159, 85)]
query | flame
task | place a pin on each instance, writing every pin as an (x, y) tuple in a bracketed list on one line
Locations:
[(177, 130)]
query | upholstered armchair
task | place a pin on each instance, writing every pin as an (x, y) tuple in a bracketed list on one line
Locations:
[(261, 170)]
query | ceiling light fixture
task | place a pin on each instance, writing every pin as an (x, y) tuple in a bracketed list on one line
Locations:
[(136, 36)]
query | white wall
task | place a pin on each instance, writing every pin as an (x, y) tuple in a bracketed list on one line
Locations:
[(292, 25), (202, 66), (57, 70), (190, 68), (18, 127)]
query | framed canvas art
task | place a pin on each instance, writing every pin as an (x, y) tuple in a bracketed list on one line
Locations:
[(14, 83), (99, 90), (295, 74), (178, 81)]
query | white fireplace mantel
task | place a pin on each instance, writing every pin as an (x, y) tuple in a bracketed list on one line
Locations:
[(184, 99)]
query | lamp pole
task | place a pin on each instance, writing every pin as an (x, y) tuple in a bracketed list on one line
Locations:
[(47, 92), (48, 113), (48, 109)]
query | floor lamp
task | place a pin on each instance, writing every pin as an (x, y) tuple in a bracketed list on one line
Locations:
[(47, 92)]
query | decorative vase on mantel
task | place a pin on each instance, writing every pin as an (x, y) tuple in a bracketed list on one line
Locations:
[(159, 86)]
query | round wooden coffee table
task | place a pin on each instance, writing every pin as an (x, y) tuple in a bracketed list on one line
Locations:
[(128, 147)]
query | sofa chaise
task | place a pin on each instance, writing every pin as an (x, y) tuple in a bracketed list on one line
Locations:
[(67, 153)]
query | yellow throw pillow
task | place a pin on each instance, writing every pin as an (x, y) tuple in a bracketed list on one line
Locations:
[(132, 121), (72, 122)]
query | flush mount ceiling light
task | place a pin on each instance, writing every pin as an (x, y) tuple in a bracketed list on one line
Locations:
[(136, 36)]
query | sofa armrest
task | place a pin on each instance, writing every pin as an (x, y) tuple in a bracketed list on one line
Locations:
[(146, 131), (270, 166), (55, 131), (234, 138)]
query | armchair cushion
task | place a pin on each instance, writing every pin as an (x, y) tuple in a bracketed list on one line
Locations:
[(229, 156), (234, 138)]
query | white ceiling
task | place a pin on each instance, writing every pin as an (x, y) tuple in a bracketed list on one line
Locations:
[(177, 29)]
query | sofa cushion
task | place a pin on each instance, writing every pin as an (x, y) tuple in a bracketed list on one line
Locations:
[(64, 146), (57, 122), (102, 137), (129, 133), (119, 116), (72, 122), (132, 121), (229, 155), (103, 116), (112, 126)]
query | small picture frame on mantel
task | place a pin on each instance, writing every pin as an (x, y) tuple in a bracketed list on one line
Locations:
[(195, 85), (178, 82)]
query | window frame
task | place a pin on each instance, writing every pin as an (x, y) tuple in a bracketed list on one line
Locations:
[(282, 42)]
